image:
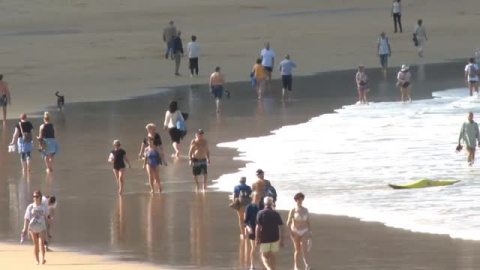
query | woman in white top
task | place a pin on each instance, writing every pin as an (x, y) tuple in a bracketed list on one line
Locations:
[(397, 14), (403, 82), (173, 115), (299, 224), (362, 84), (36, 217)]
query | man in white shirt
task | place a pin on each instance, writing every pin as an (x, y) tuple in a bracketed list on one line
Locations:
[(421, 35), (268, 60), (384, 51), (471, 75), (193, 52)]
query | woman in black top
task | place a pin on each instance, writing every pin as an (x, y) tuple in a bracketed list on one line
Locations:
[(48, 143), (23, 137), (157, 142), (118, 157)]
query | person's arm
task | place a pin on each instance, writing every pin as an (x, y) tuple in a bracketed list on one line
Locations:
[(26, 220), (389, 49), (145, 160), (181, 45), (462, 132), (290, 218), (8, 94), (224, 81), (164, 35), (40, 132), (378, 46), (281, 230), (425, 32), (190, 152), (246, 216), (210, 82), (308, 224), (142, 148), (208, 152), (127, 161), (188, 48), (15, 136), (357, 78), (236, 192), (167, 119), (466, 73)]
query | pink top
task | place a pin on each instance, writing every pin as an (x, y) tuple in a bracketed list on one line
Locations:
[(4, 88), (217, 78)]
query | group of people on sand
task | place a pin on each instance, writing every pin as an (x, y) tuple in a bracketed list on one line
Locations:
[(23, 142), (262, 226)]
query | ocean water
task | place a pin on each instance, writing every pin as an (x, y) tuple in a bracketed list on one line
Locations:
[(344, 161)]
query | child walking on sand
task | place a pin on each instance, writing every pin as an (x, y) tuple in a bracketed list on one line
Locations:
[(118, 157)]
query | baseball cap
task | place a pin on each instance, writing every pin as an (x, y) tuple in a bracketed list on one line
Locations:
[(260, 171)]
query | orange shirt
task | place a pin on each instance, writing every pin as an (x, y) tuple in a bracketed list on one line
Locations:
[(217, 78), (259, 71)]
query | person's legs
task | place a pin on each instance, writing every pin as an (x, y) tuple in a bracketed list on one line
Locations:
[(204, 182), (36, 248), (151, 178), (470, 88), (252, 253), (176, 147), (240, 214), (273, 260), (395, 19), (121, 172), (41, 237), (399, 18), (116, 174), (297, 251), (475, 87), (156, 172), (23, 160), (50, 162), (407, 91), (402, 92), (177, 63), (266, 260), (190, 66), (195, 66), (4, 115), (303, 241)]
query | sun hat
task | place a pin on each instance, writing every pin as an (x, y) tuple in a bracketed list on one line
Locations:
[(405, 67)]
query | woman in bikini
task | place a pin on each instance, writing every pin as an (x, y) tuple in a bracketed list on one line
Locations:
[(152, 163), (35, 222), (362, 84), (299, 224)]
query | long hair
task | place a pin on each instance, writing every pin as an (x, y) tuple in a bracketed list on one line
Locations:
[(173, 106)]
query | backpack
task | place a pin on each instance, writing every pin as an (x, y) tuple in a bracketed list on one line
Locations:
[(472, 71), (244, 198), (270, 192)]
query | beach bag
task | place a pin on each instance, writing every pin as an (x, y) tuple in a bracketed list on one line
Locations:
[(270, 192), (415, 40), (244, 198), (235, 204), (27, 137), (42, 145), (472, 71), (252, 78)]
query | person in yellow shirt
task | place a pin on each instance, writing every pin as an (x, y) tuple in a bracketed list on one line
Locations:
[(260, 75)]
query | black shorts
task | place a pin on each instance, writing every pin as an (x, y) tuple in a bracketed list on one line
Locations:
[(405, 85), (251, 236), (175, 134), (472, 82), (287, 82), (199, 166), (269, 69)]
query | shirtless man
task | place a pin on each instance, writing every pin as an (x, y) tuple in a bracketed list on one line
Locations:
[(199, 156), (5, 98), (259, 186)]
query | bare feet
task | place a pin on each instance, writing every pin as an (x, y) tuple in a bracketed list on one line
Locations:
[(44, 261), (152, 191)]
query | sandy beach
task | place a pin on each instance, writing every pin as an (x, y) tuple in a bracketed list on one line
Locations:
[(94, 51)]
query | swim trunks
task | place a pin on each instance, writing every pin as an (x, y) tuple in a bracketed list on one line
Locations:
[(270, 247), (3, 101), (287, 82), (199, 166), (217, 91), (269, 69), (406, 84)]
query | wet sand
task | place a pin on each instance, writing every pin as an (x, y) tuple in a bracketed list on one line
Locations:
[(180, 228)]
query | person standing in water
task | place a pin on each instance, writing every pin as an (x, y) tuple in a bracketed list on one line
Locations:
[(172, 116), (23, 137), (286, 67), (35, 222), (403, 82), (362, 84), (169, 34), (384, 51), (470, 135), (260, 74), (199, 158), (152, 163), (241, 195), (48, 142), (268, 61), (217, 86), (193, 51), (299, 224), (177, 52), (421, 35), (118, 157), (5, 98), (471, 75), (397, 14)]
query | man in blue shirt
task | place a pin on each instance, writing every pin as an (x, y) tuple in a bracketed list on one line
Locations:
[(286, 66)]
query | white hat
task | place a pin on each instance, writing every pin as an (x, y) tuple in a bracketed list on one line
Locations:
[(405, 67)]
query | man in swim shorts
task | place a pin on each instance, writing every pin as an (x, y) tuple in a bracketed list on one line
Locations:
[(471, 76), (268, 61), (5, 98), (269, 233), (286, 66), (199, 156), (470, 135)]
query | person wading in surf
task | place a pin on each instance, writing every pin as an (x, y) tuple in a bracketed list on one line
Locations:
[(470, 135)]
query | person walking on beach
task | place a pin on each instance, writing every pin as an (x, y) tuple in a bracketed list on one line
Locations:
[(470, 135), (263, 187), (269, 233), (268, 61), (35, 222), (299, 224), (118, 157), (177, 52), (260, 74), (5, 98), (152, 163), (471, 75), (403, 82), (172, 118), (23, 138), (397, 15), (169, 34), (241, 195), (193, 51), (199, 158), (217, 86), (384, 51), (157, 142), (286, 67), (250, 222), (420, 34), (362, 84), (48, 143)]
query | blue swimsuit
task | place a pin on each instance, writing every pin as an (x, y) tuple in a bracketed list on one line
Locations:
[(153, 158)]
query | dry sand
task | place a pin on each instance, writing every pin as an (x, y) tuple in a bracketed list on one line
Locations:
[(96, 50)]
